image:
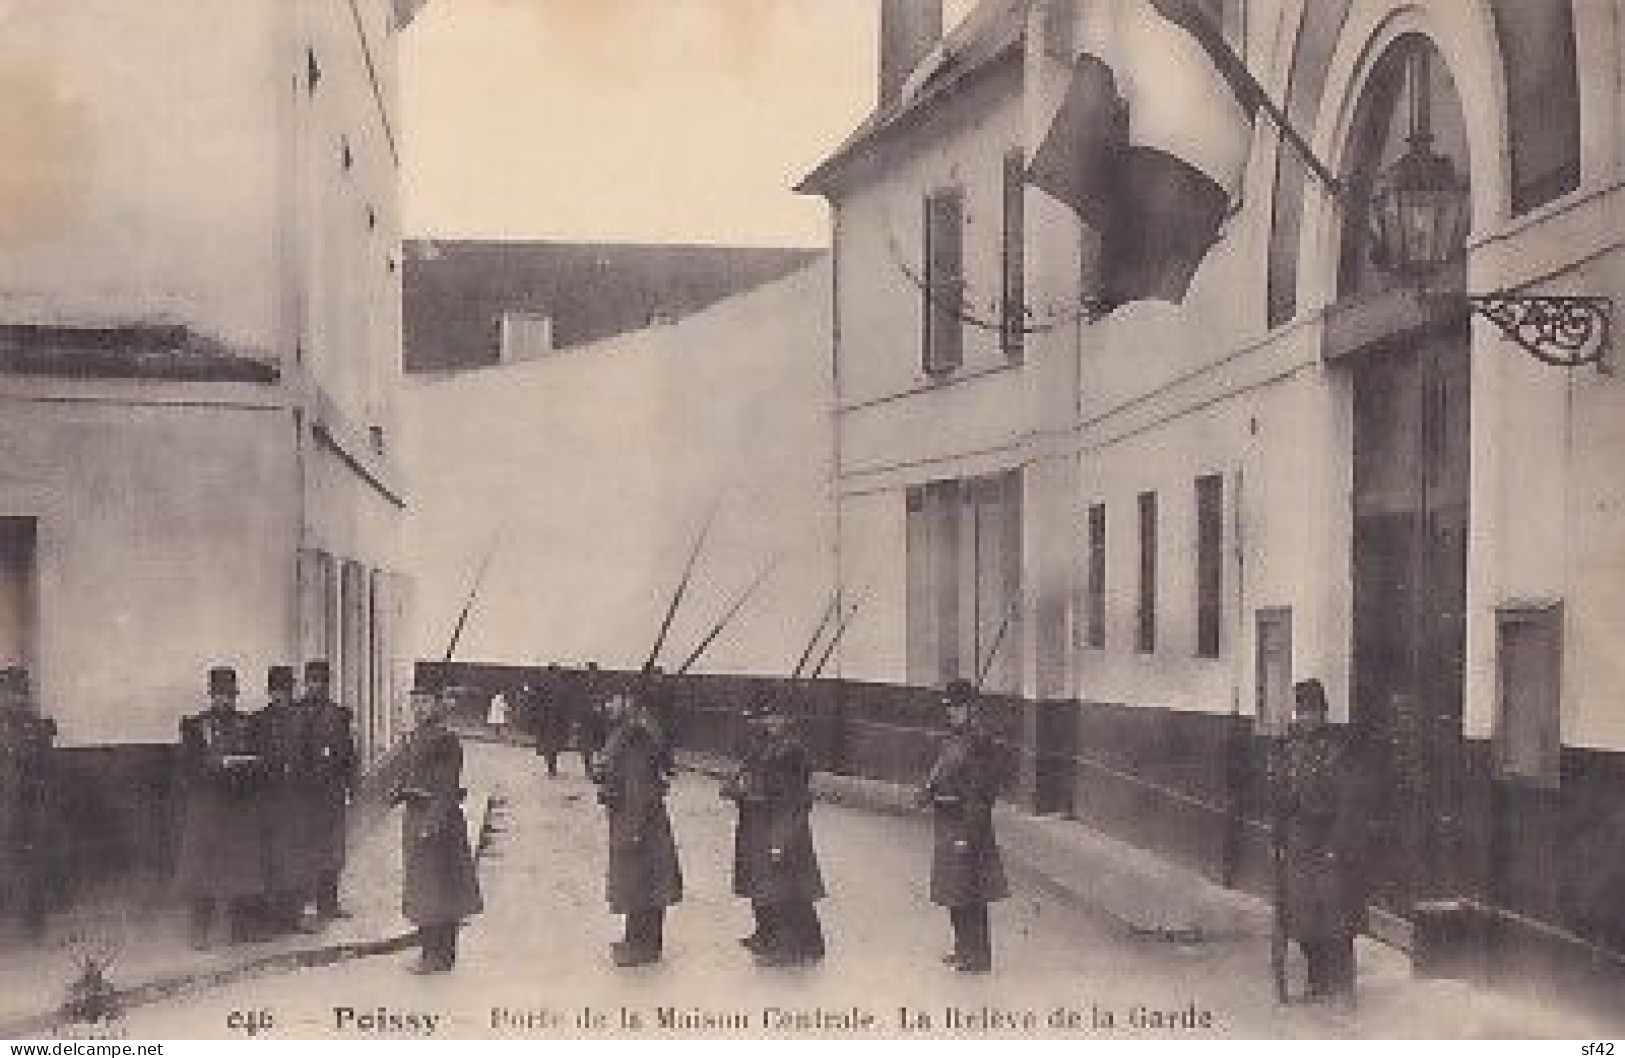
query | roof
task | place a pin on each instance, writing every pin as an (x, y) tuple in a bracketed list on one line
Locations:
[(455, 292), (991, 32)]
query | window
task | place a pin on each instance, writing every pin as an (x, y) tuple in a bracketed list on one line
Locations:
[(313, 71), (1209, 563), (942, 325), (1013, 314), (1145, 624), (933, 530), (1529, 678), (1094, 605)]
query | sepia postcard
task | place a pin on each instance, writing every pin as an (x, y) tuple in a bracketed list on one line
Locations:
[(811, 520)]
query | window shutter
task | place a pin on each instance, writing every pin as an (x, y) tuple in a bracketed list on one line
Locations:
[(944, 281), (1012, 318)]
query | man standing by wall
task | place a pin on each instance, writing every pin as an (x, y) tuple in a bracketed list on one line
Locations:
[(222, 861), (333, 774), (285, 802), (30, 839)]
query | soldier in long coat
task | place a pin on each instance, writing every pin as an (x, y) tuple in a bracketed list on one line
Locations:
[(30, 832), (552, 718), (967, 872), (1321, 904), (439, 883), (590, 728), (643, 877), (222, 863), (332, 778), (775, 863), (284, 806)]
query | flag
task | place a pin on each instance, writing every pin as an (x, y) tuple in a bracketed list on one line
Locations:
[(1150, 143)]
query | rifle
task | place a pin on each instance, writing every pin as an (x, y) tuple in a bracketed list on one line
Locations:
[(1278, 866), (835, 639), (818, 633), (682, 585), (993, 651), (468, 603), (728, 616)]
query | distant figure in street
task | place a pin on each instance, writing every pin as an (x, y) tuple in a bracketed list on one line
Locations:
[(967, 872), (30, 844), (331, 780), (775, 864), (642, 877), (221, 867), (496, 717), (591, 729), (1321, 903), (439, 884), (552, 721), (285, 816)]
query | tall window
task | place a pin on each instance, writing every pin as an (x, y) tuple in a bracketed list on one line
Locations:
[(942, 327), (1094, 602), (1012, 316), (1145, 623), (1209, 563)]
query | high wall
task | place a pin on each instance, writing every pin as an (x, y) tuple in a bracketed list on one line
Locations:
[(593, 470)]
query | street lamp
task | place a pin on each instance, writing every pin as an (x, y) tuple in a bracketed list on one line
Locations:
[(1418, 217)]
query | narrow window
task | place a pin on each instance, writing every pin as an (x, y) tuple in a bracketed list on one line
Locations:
[(1145, 625), (1209, 563), (1013, 314), (1094, 614), (942, 323)]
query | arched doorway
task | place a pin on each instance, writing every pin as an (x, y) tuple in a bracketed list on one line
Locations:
[(1409, 511)]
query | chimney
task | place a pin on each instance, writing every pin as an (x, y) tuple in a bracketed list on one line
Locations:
[(909, 29)]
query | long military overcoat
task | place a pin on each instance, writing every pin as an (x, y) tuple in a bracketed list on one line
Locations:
[(222, 778), (332, 776), (1322, 901), (642, 873), (551, 707), (31, 834), (966, 867), (774, 858), (284, 800), (439, 882)]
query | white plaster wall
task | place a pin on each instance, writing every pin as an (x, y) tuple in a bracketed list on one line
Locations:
[(874, 571), (596, 469), (141, 173), (163, 547)]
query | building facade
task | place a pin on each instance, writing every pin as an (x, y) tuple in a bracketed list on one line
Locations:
[(1304, 467), (199, 352)]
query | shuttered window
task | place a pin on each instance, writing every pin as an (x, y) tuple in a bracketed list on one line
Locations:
[(1145, 624), (942, 316), (1013, 315), (1094, 606), (1209, 563)]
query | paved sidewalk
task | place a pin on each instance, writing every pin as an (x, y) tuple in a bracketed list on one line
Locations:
[(145, 945)]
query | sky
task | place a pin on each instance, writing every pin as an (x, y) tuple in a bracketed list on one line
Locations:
[(630, 120)]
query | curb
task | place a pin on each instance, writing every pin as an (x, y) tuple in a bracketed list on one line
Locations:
[(178, 984), (169, 987)]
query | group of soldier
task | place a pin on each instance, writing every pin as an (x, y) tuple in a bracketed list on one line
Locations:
[(264, 796), (775, 865), (775, 862), (263, 799)]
